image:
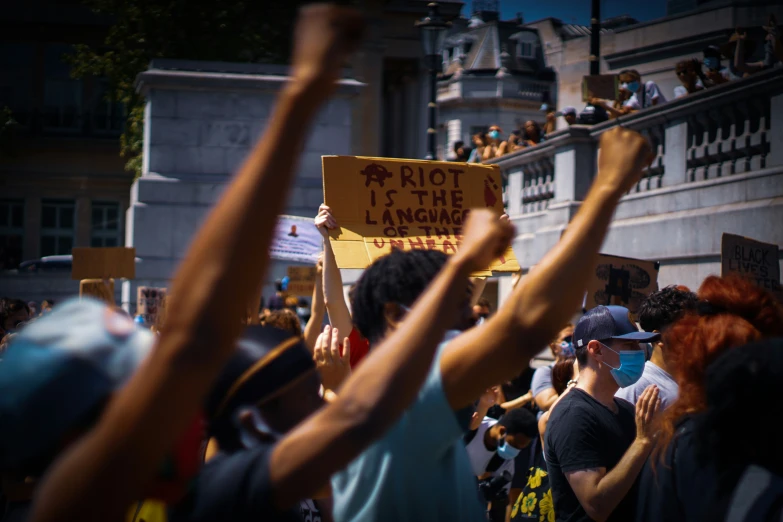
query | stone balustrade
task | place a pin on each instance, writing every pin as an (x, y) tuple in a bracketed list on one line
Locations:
[(718, 168)]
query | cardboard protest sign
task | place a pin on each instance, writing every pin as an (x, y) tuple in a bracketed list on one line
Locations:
[(603, 86), (751, 259), (101, 289), (103, 263), (383, 203), (150, 303), (622, 281), (301, 280), (296, 239)]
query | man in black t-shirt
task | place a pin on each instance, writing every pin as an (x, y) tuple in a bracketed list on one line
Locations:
[(595, 445)]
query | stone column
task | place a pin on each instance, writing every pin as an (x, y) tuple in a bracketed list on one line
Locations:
[(575, 163), (202, 119), (368, 68), (676, 147)]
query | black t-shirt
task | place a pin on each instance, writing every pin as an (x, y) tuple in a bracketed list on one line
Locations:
[(582, 434), (680, 488), (233, 487)]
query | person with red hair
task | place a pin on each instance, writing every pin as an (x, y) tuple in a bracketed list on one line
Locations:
[(676, 484)]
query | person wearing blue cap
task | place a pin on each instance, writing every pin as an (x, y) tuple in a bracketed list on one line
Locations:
[(596, 444)]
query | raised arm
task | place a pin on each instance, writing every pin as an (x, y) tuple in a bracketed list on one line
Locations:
[(550, 294), (317, 308), (388, 380), (339, 314), (112, 464)]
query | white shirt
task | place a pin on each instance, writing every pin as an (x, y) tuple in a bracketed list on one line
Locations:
[(651, 92), (667, 386), (479, 455)]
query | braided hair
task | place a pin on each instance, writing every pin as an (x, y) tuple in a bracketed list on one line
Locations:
[(400, 277)]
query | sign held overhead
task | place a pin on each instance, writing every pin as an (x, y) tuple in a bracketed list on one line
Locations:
[(383, 203)]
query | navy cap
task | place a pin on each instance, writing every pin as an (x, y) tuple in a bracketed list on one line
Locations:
[(609, 322)]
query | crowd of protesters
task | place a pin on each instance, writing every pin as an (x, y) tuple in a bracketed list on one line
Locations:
[(417, 401), (634, 94)]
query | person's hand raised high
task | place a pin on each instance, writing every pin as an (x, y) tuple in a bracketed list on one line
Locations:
[(333, 367), (486, 237), (624, 154), (324, 221), (324, 38)]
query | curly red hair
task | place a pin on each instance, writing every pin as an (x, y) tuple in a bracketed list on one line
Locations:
[(741, 313)]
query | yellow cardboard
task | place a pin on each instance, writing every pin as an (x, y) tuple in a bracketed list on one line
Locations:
[(301, 280), (384, 203), (103, 263)]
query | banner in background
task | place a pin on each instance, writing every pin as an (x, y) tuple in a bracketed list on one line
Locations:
[(296, 239), (150, 303)]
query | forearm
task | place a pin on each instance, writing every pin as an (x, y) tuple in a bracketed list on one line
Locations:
[(317, 310), (538, 312), (479, 283), (210, 292), (545, 399), (374, 397), (339, 314), (616, 484), (518, 402)]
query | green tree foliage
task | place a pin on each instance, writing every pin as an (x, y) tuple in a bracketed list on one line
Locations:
[(220, 30)]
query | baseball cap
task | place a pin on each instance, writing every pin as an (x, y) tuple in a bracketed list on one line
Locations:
[(609, 322), (266, 360), (59, 371), (569, 110)]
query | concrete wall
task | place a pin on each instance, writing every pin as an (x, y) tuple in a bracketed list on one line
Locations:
[(202, 119), (693, 194)]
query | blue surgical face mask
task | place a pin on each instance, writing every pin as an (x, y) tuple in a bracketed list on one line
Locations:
[(632, 86), (506, 451), (631, 367), (494, 134), (567, 349), (712, 63)]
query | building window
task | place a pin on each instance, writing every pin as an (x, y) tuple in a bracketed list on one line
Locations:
[(107, 115), (16, 80), (62, 94), (57, 227), (105, 224), (525, 50), (11, 233)]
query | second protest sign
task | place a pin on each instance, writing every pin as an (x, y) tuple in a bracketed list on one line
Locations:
[(383, 203)]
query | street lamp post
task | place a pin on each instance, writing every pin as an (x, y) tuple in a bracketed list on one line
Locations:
[(433, 32)]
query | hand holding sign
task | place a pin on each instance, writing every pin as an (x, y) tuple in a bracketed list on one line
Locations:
[(624, 154), (324, 221), (486, 238)]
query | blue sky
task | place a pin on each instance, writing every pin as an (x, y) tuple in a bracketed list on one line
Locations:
[(575, 11)]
